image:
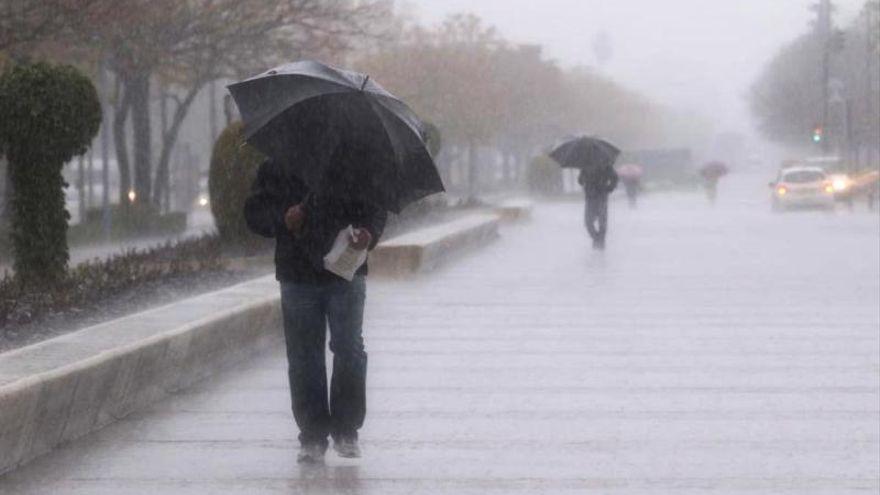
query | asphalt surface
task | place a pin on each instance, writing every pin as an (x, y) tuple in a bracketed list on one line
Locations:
[(716, 350)]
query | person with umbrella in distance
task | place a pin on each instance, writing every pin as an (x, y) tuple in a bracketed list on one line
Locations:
[(341, 152), (712, 172), (631, 176), (595, 158)]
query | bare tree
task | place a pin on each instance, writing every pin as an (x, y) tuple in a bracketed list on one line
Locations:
[(482, 91), (24, 22), (190, 43)]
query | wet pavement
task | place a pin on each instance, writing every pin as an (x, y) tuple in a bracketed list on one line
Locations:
[(708, 350)]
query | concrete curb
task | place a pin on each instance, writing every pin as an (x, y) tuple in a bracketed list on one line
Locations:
[(61, 389), (64, 388), (514, 210), (426, 249)]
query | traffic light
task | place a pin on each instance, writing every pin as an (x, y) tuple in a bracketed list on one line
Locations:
[(818, 134)]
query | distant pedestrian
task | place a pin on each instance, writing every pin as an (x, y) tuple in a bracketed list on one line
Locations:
[(631, 176), (595, 158), (711, 173), (305, 226), (632, 186), (598, 183)]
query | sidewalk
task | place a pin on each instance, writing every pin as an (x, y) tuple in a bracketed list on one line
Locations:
[(664, 365)]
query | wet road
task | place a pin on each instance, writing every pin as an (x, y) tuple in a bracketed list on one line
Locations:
[(724, 350)]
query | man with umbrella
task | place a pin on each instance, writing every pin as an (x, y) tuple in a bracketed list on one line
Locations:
[(595, 159), (342, 151)]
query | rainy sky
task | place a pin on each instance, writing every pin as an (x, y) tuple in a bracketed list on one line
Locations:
[(698, 55)]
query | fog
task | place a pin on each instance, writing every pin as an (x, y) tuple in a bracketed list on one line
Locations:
[(700, 55), (589, 246)]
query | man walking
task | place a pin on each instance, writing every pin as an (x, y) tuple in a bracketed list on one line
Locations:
[(305, 226), (598, 183)]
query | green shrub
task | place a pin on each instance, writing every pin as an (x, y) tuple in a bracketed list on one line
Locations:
[(90, 284), (433, 139), (544, 176), (48, 115), (127, 222), (234, 166)]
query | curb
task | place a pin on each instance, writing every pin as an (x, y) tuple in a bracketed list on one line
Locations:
[(426, 249), (514, 210), (64, 388)]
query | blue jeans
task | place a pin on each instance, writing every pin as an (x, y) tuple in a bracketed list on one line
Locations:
[(308, 309)]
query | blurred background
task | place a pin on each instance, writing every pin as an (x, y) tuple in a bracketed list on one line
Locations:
[(675, 85)]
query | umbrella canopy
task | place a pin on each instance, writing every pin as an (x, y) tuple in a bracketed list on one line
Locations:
[(630, 171), (340, 132), (714, 170), (585, 152)]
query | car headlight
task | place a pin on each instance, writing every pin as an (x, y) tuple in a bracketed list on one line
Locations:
[(839, 184), (203, 201), (781, 190), (829, 188)]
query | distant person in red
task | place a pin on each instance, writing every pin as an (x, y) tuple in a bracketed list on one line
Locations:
[(631, 176), (598, 183)]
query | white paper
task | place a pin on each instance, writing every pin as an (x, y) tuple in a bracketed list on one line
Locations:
[(343, 259)]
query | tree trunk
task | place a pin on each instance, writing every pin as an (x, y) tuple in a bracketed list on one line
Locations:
[(473, 175), (139, 86), (105, 150), (6, 197), (159, 184), (90, 183), (120, 142), (169, 140), (212, 109)]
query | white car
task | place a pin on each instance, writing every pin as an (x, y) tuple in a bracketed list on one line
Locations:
[(802, 187)]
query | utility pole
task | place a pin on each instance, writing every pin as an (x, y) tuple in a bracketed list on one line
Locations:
[(872, 9), (105, 149), (824, 32), (162, 199)]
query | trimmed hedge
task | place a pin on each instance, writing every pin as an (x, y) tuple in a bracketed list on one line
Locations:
[(48, 115), (89, 284), (127, 222), (544, 176), (233, 169), (433, 139)]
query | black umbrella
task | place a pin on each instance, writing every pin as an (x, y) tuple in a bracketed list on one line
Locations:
[(585, 152), (340, 132)]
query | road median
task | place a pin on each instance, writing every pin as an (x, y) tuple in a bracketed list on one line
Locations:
[(426, 249)]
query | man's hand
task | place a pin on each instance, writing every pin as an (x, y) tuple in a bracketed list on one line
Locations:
[(294, 218), (362, 239)]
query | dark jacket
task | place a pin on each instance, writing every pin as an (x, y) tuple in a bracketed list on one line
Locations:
[(598, 181), (301, 258)]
